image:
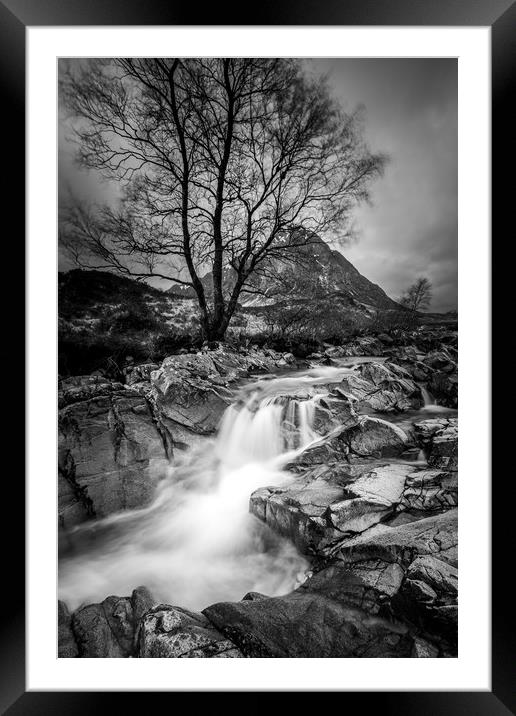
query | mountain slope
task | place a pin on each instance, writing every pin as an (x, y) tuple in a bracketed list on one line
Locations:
[(309, 269)]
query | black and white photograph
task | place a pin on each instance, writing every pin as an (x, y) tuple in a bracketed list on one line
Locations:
[(257, 357)]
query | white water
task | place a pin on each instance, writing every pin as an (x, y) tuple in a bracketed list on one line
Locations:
[(428, 398), (430, 403), (197, 544)]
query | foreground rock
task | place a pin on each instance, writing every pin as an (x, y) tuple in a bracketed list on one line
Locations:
[(135, 627), (172, 632), (67, 646), (108, 629), (110, 440), (391, 592), (320, 622), (415, 566)]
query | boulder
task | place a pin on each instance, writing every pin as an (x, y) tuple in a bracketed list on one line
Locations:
[(192, 390), (439, 438), (335, 410), (66, 644), (440, 360), (444, 387), (428, 596), (171, 632), (109, 446), (414, 565), (331, 616), (381, 387), (110, 629), (366, 438), (324, 505), (187, 392)]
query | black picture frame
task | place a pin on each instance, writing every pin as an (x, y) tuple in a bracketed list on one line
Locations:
[(15, 16)]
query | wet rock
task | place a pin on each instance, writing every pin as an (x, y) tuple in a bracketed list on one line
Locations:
[(367, 438), (418, 563), (109, 445), (105, 630), (381, 387), (324, 505), (333, 411), (192, 390), (440, 360), (388, 592), (66, 644), (430, 490), (332, 615), (253, 596), (373, 437), (184, 390), (110, 629), (428, 596), (439, 437), (435, 535), (444, 386), (171, 632)]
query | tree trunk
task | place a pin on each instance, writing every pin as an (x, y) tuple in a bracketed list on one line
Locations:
[(214, 329)]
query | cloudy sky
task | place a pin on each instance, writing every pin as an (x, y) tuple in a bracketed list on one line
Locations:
[(410, 229)]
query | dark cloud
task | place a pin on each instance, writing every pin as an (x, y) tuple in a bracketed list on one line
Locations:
[(410, 229)]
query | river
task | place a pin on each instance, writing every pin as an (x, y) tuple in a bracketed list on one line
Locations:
[(197, 543)]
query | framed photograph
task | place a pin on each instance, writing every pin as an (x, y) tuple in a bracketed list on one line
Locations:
[(258, 289)]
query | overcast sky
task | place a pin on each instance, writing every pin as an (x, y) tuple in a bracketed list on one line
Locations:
[(410, 229)]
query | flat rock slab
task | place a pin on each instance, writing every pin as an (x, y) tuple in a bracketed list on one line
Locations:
[(435, 535), (430, 490)]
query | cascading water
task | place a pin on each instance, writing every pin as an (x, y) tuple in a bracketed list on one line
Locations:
[(197, 544), (428, 398)]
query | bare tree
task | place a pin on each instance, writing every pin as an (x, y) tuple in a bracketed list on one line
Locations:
[(418, 295), (219, 160)]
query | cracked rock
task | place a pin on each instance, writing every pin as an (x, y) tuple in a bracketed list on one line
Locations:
[(172, 632)]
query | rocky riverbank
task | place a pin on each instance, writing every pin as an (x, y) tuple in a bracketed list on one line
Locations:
[(372, 504)]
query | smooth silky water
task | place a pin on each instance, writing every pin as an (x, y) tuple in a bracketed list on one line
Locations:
[(197, 543)]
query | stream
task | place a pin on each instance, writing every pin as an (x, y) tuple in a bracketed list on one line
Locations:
[(197, 543)]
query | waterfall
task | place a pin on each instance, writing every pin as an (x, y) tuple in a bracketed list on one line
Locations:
[(196, 543), (428, 398), (262, 429)]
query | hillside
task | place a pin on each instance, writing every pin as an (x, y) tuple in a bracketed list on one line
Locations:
[(317, 295), (311, 270)]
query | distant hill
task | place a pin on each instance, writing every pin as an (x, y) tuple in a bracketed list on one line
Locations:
[(310, 271)]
